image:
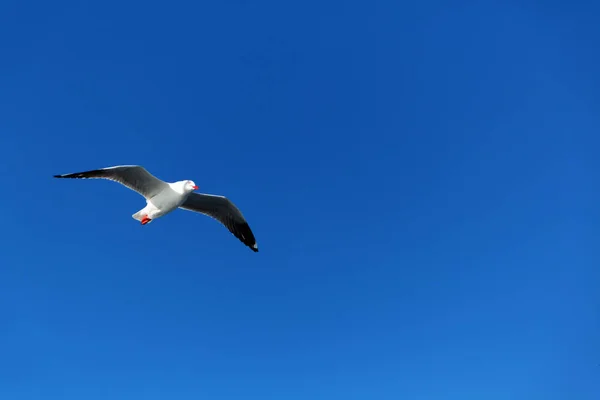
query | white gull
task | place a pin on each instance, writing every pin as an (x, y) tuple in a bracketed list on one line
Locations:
[(163, 197)]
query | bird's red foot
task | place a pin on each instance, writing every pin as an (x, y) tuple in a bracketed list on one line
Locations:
[(145, 220)]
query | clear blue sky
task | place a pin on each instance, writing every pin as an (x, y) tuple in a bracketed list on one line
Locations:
[(422, 180)]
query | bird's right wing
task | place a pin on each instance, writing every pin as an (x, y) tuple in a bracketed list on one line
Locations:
[(134, 177)]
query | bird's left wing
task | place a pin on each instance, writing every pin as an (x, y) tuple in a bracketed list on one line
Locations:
[(224, 211)]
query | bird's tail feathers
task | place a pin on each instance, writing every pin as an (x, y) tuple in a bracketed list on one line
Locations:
[(138, 215)]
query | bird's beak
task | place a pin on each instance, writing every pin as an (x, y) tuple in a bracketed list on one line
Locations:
[(195, 187)]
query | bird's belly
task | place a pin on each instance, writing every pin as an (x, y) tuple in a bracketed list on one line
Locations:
[(163, 205)]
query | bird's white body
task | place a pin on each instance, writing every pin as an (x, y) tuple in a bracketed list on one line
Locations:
[(163, 197), (164, 202)]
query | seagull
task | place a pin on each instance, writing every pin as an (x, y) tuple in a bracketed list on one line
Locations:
[(164, 197)]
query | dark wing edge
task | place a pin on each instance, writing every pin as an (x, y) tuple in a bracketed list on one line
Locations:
[(134, 177), (224, 211)]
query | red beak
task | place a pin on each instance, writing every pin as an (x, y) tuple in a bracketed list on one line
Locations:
[(195, 187)]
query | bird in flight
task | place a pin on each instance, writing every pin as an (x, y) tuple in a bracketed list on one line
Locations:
[(164, 197)]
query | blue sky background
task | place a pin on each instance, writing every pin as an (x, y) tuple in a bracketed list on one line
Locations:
[(422, 179)]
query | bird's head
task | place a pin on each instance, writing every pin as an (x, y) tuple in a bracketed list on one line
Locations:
[(189, 186)]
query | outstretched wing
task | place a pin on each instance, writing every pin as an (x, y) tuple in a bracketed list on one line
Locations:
[(224, 211), (133, 177)]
